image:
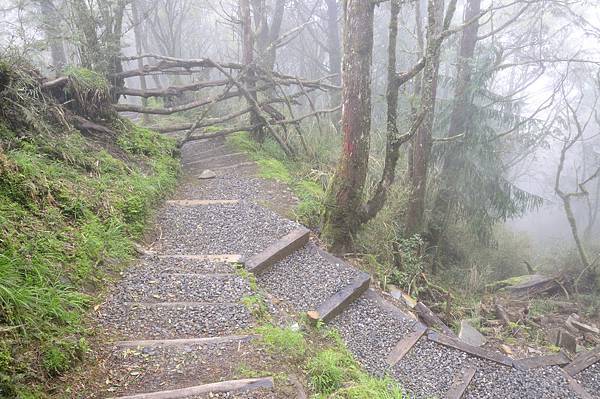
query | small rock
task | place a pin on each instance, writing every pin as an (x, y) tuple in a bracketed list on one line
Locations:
[(468, 334), (207, 174), (313, 315)]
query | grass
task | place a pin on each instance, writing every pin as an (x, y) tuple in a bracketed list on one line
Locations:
[(273, 164), (70, 212)]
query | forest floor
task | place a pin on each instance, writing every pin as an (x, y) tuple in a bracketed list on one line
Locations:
[(188, 316)]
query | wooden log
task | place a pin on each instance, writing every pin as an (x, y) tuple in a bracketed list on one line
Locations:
[(183, 341), (559, 359), (278, 250), (535, 285), (583, 361), (431, 320), (191, 203), (577, 387), (460, 383), (216, 387), (405, 345), (473, 350), (340, 300)]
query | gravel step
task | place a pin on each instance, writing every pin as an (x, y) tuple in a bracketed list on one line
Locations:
[(371, 328), (152, 265), (182, 342), (210, 390), (159, 368), (589, 378), (241, 228), (215, 162), (191, 149), (306, 278), (175, 320), (182, 287)]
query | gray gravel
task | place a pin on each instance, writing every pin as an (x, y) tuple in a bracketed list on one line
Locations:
[(427, 371), (241, 228), (214, 162), (134, 321), (183, 287), (371, 331), (306, 279), (151, 265), (590, 379), (492, 381)]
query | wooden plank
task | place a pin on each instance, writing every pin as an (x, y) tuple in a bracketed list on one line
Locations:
[(405, 345), (225, 258), (201, 202), (460, 383), (239, 165), (431, 320), (277, 251), (183, 342), (335, 304), (577, 387), (473, 350), (558, 359), (583, 361), (216, 387)]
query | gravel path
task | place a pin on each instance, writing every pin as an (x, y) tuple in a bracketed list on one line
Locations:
[(152, 265), (154, 321), (306, 279), (146, 369), (241, 228), (590, 379), (372, 330)]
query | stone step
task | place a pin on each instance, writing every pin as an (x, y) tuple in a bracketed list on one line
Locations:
[(372, 327), (307, 278), (211, 390), (241, 228), (147, 366), (198, 264), (174, 320), (180, 287)]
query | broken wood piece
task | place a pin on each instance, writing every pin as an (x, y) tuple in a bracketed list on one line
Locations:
[(405, 345), (566, 341), (586, 328), (470, 334), (583, 361), (335, 304), (431, 320), (534, 285), (278, 250), (558, 359), (460, 383), (577, 387), (501, 314), (473, 350)]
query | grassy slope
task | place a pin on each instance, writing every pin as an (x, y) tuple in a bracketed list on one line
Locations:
[(70, 211)]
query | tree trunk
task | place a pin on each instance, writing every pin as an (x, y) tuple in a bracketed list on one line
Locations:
[(344, 196), (335, 57), (51, 27), (137, 31), (421, 148), (453, 160)]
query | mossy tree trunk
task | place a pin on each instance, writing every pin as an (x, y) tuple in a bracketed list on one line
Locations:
[(344, 196)]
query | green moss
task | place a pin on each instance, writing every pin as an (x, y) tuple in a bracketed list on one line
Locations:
[(86, 79)]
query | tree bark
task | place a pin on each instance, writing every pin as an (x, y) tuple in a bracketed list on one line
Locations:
[(344, 196), (421, 148), (335, 56), (51, 27), (137, 31)]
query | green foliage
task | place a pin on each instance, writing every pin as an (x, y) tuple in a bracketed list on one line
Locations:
[(371, 388), (257, 306), (329, 369), (90, 92), (69, 212), (283, 341)]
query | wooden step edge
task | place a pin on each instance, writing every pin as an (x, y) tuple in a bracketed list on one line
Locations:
[(558, 359), (190, 203), (577, 387), (183, 341), (214, 158), (336, 304), (225, 258), (218, 147), (248, 384), (405, 345), (470, 349), (461, 383), (237, 165), (277, 251), (583, 361)]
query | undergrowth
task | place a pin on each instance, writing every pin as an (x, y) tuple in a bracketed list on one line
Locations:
[(306, 183), (321, 355), (70, 210)]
